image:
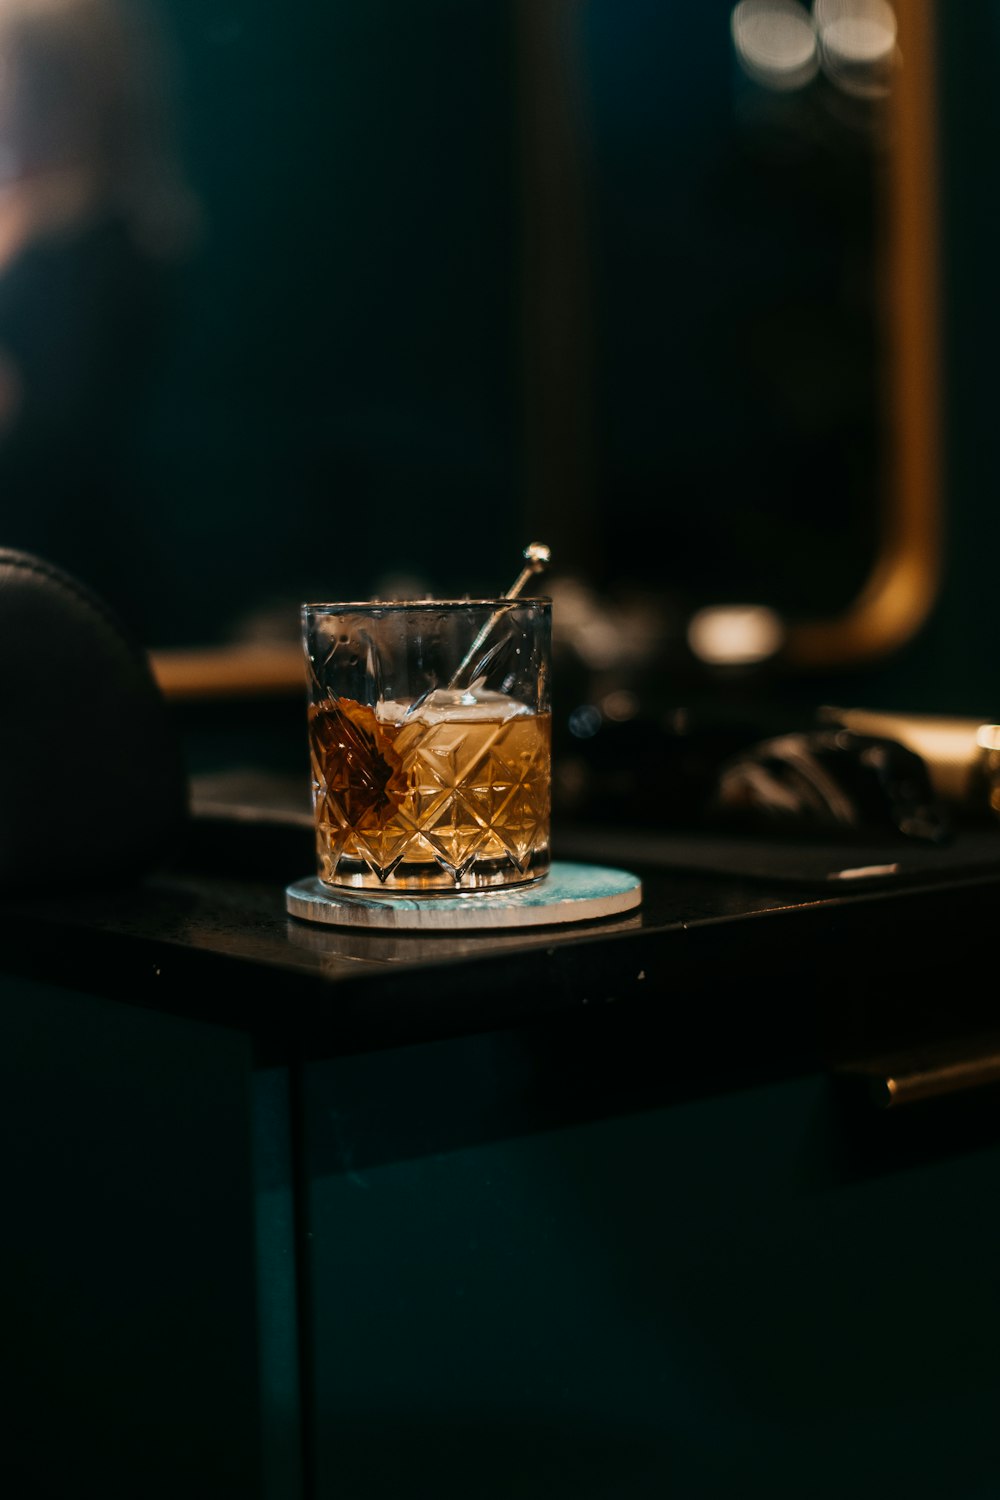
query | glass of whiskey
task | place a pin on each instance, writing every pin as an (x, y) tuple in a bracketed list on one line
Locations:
[(430, 743)]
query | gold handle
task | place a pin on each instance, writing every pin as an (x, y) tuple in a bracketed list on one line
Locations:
[(911, 1078)]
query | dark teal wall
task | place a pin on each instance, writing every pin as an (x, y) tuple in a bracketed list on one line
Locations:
[(961, 655), (340, 406), (350, 399)]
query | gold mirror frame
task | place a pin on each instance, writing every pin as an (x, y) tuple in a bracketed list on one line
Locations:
[(903, 584)]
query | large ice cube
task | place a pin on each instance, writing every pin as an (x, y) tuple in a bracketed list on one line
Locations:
[(451, 705)]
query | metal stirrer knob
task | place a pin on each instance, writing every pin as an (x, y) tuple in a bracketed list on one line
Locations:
[(538, 557)]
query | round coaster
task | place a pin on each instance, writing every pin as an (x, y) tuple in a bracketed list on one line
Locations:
[(568, 893)]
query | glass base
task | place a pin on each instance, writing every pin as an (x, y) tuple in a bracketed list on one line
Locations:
[(428, 878)]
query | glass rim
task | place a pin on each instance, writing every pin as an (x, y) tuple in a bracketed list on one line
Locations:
[(364, 606)]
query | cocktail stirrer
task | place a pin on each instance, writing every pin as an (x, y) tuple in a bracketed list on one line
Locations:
[(537, 557)]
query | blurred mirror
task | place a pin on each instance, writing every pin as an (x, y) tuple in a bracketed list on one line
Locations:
[(358, 299)]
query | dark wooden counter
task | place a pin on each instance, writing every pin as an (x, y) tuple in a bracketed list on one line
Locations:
[(749, 952), (584, 1212)]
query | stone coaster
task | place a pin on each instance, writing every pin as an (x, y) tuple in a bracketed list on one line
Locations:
[(568, 893)]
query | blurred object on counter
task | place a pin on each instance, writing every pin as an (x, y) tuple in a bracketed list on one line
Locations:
[(830, 783), (962, 754), (620, 760), (620, 647), (747, 765), (610, 634), (678, 719)]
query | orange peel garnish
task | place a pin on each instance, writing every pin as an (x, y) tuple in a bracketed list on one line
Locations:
[(358, 760)]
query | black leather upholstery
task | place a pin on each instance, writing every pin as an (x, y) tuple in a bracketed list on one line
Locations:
[(93, 785)]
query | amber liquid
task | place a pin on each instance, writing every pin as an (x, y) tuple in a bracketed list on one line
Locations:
[(460, 802)]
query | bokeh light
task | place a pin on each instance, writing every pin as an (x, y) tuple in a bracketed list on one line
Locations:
[(775, 42)]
